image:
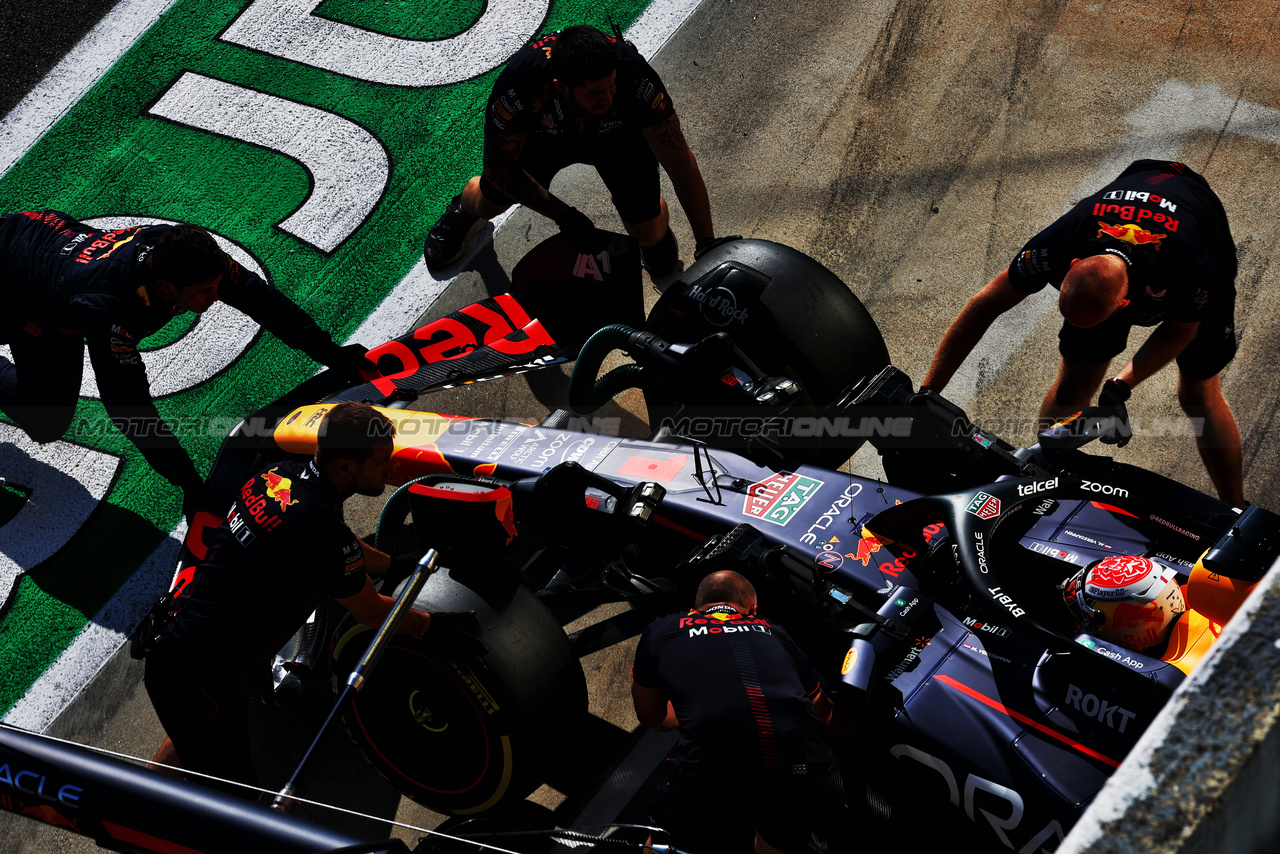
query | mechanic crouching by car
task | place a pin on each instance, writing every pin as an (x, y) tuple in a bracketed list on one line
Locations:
[(751, 714), (64, 284), (579, 96), (282, 548)]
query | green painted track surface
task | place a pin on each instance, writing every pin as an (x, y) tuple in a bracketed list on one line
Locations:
[(108, 157)]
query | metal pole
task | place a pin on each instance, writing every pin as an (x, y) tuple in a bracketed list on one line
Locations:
[(358, 676)]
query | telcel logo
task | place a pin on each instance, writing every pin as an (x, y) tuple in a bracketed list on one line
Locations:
[(1038, 486)]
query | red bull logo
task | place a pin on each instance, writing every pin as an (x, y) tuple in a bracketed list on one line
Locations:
[(255, 507), (1130, 233), (1129, 616), (280, 488), (111, 241), (867, 546), (1162, 219)]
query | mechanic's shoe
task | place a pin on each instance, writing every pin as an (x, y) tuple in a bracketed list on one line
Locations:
[(451, 235), (660, 258)]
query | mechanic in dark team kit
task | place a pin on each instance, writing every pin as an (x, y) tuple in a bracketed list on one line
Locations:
[(282, 547), (579, 96), (751, 715), (1152, 248), (64, 284)]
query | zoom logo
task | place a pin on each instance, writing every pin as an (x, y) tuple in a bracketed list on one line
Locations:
[(1104, 489)]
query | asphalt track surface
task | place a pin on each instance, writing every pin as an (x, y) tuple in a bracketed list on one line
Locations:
[(910, 147)]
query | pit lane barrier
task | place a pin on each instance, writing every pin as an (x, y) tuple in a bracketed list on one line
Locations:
[(1203, 778)]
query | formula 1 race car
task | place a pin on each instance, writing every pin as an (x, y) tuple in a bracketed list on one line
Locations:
[(932, 603)]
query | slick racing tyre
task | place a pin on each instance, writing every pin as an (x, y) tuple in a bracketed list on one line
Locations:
[(459, 728), (789, 314)]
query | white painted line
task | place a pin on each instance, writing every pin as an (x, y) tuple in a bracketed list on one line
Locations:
[(67, 483), (416, 293), (75, 75), (347, 165), (93, 647), (658, 23), (288, 29)]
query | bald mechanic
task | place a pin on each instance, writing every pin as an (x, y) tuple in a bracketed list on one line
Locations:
[(1152, 248), (579, 96), (65, 285), (751, 714)]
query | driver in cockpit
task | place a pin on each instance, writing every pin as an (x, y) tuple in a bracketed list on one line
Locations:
[(1137, 603), (1129, 600)]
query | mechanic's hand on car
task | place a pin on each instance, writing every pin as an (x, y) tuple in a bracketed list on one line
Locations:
[(196, 496), (580, 230), (1114, 394), (460, 628), (706, 244), (352, 357)]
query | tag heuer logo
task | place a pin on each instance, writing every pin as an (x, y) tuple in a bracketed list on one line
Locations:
[(984, 506), (779, 498)]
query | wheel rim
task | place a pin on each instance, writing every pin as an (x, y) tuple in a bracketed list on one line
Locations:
[(431, 724)]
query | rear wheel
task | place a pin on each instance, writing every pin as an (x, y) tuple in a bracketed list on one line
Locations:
[(788, 313), (466, 731)]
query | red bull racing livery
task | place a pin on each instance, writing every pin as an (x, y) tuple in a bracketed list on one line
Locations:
[(938, 615), (930, 605)]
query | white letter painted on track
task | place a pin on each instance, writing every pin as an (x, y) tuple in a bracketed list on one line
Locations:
[(290, 30), (348, 166), (66, 484)]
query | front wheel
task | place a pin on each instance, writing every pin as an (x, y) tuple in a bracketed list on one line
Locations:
[(465, 732)]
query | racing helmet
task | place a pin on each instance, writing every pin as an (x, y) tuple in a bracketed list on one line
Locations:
[(1126, 599)]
